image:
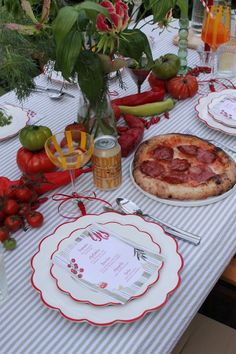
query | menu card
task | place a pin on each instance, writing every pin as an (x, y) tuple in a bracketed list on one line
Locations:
[(108, 263), (226, 108)]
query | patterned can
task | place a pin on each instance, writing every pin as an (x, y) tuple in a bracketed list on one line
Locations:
[(107, 163)]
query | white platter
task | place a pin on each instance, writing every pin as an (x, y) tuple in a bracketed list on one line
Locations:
[(19, 120), (203, 114), (217, 114), (155, 297), (182, 203), (80, 292)]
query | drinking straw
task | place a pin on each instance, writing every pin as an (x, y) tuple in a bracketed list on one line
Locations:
[(207, 48), (205, 5)]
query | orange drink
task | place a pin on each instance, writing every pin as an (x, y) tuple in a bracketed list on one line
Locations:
[(216, 26)]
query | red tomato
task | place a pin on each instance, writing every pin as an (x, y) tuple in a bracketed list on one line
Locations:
[(10, 207), (24, 209), (33, 162), (35, 219), (182, 87), (4, 233), (13, 222), (23, 194), (76, 127)]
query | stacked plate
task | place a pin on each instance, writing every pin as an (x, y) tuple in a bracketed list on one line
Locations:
[(218, 110), (78, 299)]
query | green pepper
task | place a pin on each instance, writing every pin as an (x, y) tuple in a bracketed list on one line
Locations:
[(149, 109), (33, 137)]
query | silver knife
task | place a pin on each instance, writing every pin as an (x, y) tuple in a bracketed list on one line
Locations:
[(47, 89)]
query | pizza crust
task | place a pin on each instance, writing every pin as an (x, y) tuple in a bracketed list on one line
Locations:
[(223, 166)]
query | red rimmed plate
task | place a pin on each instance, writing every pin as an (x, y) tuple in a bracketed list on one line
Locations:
[(155, 297), (203, 114), (84, 291), (18, 121)]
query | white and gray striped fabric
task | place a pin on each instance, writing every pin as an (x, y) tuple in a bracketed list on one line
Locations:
[(27, 326)]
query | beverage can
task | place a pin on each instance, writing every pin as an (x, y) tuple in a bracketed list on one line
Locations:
[(107, 174)]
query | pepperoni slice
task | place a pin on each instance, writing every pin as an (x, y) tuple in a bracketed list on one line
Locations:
[(163, 152), (188, 149), (179, 165), (152, 168), (175, 178), (206, 156), (201, 173)]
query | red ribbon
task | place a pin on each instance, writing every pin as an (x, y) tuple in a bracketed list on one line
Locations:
[(63, 198), (211, 83)]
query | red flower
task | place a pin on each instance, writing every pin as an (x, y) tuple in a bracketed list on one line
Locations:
[(118, 20)]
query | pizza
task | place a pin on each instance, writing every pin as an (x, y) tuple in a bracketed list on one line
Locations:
[(183, 167)]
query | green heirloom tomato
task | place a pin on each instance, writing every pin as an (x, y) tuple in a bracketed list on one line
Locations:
[(166, 67), (33, 137)]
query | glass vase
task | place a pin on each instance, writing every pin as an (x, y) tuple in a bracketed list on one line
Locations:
[(98, 118), (183, 45)]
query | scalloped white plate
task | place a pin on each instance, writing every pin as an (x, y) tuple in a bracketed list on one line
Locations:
[(202, 112), (155, 297), (19, 120), (217, 114)]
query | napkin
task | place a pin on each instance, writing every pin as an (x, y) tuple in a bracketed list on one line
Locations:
[(194, 42)]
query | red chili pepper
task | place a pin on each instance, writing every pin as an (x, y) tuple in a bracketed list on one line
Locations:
[(148, 124), (155, 120), (166, 115), (133, 121), (156, 83), (122, 129), (130, 138), (212, 87), (116, 111), (82, 207), (140, 98)]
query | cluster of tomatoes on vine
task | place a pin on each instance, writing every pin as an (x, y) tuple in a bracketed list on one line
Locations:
[(17, 211)]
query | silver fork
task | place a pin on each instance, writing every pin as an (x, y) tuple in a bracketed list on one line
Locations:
[(213, 141)]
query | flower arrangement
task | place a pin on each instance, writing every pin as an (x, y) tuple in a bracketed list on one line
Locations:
[(86, 39)]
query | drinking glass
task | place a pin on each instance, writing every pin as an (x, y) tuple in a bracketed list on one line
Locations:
[(216, 26), (70, 150), (138, 71)]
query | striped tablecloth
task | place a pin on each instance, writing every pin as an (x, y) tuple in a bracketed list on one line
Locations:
[(27, 326)]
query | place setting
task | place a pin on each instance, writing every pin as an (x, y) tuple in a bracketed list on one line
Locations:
[(106, 268), (217, 110)]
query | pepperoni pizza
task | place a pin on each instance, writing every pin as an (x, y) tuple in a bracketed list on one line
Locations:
[(183, 167)]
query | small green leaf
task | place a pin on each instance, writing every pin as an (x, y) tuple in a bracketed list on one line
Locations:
[(92, 6), (68, 52), (133, 44), (160, 8), (91, 76), (62, 27)]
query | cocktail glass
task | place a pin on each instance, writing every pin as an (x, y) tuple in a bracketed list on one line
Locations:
[(70, 150), (138, 72)]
